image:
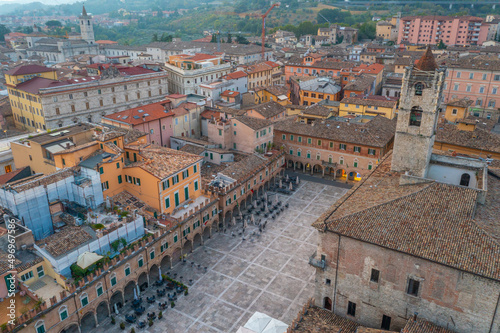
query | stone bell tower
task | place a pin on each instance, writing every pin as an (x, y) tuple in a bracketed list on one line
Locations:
[(417, 116), (87, 27)]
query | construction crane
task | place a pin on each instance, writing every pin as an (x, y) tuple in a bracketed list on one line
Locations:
[(277, 4)]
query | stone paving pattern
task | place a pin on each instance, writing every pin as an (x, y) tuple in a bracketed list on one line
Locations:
[(269, 274)]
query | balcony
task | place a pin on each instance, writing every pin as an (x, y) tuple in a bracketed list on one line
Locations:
[(317, 263)]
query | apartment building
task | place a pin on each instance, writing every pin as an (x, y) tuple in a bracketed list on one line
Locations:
[(462, 30), (40, 102), (187, 72), (368, 105), (263, 74)]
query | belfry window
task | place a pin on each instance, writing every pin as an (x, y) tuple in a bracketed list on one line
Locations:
[(419, 87), (465, 179)]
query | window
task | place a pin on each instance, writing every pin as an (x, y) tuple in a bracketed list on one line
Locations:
[(291, 137), (459, 74), (72, 108), (456, 86), (127, 270), (341, 160), (357, 149), (70, 96), (84, 299), (309, 140), (342, 146), (196, 185), (99, 289), (328, 282), (152, 254), (370, 166), (318, 156), (386, 323), (351, 309), (164, 246), (195, 167), (454, 111), (413, 286), (27, 276), (471, 76), (371, 151), (465, 179), (494, 90), (140, 261), (415, 116), (491, 104), (283, 137), (375, 275), (468, 88), (167, 202), (40, 271), (298, 153), (63, 312), (113, 279), (40, 327), (319, 142), (355, 163)]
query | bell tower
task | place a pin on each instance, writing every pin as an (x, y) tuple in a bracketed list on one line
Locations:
[(87, 27), (417, 116)]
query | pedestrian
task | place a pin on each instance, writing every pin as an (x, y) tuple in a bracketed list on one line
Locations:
[(232, 234), (224, 230)]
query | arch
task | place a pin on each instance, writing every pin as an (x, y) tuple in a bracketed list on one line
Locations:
[(71, 328), (142, 281), (102, 311), (116, 299), (289, 164), (317, 168), (415, 116), (176, 256), (308, 167), (341, 174), (187, 246), (87, 323), (206, 231), (227, 218), (327, 303), (419, 88), (197, 240), (299, 165), (38, 326), (465, 179), (154, 274), (128, 292), (260, 191), (165, 264)]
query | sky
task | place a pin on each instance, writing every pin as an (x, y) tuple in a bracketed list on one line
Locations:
[(46, 2)]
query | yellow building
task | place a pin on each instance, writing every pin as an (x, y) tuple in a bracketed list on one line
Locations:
[(373, 106), (384, 29), (25, 101), (457, 109), (278, 94), (317, 90)]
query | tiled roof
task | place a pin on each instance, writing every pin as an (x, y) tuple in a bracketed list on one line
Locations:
[(463, 103), (427, 62), (318, 320), (65, 240), (375, 133), (383, 103), (142, 114), (360, 83), (163, 162), (473, 62), (245, 167), (407, 219), (253, 123), (277, 90), (423, 326), (268, 110), (321, 85), (29, 69), (480, 139), (235, 75), (317, 110), (192, 149)]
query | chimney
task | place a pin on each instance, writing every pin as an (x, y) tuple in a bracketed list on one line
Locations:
[(415, 314), (67, 145)]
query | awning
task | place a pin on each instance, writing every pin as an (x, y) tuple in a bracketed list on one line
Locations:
[(87, 258)]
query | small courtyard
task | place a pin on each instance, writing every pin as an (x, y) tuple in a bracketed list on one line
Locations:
[(245, 272)]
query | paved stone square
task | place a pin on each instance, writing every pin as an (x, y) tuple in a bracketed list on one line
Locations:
[(269, 273)]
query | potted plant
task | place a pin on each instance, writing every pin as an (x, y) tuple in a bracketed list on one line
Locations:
[(186, 292), (150, 322), (160, 315), (113, 320), (122, 325), (132, 330), (172, 304)]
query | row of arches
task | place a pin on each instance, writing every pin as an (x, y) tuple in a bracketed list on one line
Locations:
[(338, 172)]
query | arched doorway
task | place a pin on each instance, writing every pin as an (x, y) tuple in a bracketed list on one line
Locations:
[(154, 274), (116, 300), (227, 218), (206, 232), (317, 168), (88, 322), (197, 240), (308, 167), (289, 164), (165, 264), (341, 174), (327, 303), (260, 192), (249, 198), (102, 312), (299, 166), (176, 256), (128, 292), (142, 281), (465, 179), (187, 247), (72, 328)]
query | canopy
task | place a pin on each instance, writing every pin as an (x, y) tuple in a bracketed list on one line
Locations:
[(275, 326), (258, 322), (87, 258)]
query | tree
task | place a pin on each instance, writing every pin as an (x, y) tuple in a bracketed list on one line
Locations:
[(53, 24), (441, 45), (155, 37), (367, 30), (241, 40), (229, 39), (3, 31), (214, 39)]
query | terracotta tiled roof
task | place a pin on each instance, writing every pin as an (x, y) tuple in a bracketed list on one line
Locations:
[(163, 162), (235, 75), (277, 90), (65, 240), (375, 133), (383, 103), (360, 83), (423, 326), (253, 123), (243, 169), (463, 103), (318, 320), (317, 110), (192, 149), (407, 219), (480, 139), (29, 69), (141, 114), (268, 110)]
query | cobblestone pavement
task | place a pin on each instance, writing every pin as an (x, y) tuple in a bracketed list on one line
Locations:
[(269, 273)]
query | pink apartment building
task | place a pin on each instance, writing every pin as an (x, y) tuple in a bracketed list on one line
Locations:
[(477, 79), (154, 119), (463, 30)]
